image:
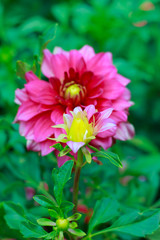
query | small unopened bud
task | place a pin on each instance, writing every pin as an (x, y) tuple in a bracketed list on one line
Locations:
[(62, 224)]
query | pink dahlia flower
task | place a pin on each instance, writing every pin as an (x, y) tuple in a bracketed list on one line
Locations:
[(75, 78), (84, 126)]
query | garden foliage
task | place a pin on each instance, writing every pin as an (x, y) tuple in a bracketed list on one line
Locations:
[(114, 202)]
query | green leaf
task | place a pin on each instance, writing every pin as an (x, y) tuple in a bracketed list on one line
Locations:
[(87, 154), (14, 215), (51, 235), (144, 144), (30, 230), (112, 157), (105, 210), (64, 151), (140, 225), (66, 206), (155, 235), (58, 146), (74, 217), (48, 36), (45, 202), (22, 68), (45, 222), (77, 232), (152, 164), (5, 230), (60, 178), (53, 213)]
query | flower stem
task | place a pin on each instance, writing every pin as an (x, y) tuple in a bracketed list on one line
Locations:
[(79, 164)]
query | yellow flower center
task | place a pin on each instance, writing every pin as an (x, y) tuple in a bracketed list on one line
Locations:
[(72, 90), (80, 129)]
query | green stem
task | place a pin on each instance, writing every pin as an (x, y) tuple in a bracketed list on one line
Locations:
[(79, 163)]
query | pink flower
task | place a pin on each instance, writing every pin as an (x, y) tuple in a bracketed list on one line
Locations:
[(75, 78), (82, 127)]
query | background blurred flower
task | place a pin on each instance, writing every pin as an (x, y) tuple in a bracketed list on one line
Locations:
[(76, 78)]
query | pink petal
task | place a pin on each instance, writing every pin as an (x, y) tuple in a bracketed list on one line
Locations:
[(68, 119), (30, 76), (90, 102), (59, 50), (47, 67), (43, 127), (125, 131), (93, 81), (87, 52), (106, 113), (20, 96), (62, 160), (26, 128), (105, 124), (31, 145), (100, 59), (55, 82), (81, 66), (109, 133), (112, 89), (57, 114), (74, 58), (124, 81), (120, 104), (120, 116), (90, 110), (75, 146), (41, 92), (104, 143), (28, 110), (126, 94), (77, 109), (45, 147), (99, 63), (60, 65), (95, 93), (103, 104)]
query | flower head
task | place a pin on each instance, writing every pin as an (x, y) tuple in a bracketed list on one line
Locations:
[(75, 78), (82, 127)]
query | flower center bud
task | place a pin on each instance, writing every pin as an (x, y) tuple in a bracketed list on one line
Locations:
[(72, 91), (80, 129), (62, 224)]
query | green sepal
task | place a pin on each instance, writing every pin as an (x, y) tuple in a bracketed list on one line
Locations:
[(45, 222), (57, 146), (87, 154), (75, 217), (73, 225), (61, 236), (77, 232), (64, 151)]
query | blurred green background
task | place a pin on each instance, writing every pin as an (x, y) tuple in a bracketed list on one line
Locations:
[(128, 29)]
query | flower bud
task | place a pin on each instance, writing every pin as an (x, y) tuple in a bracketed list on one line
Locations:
[(62, 224)]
